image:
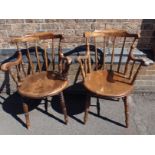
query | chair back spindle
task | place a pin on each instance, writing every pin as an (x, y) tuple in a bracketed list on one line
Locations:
[(104, 52), (121, 54), (53, 55), (37, 56), (112, 54), (31, 65)]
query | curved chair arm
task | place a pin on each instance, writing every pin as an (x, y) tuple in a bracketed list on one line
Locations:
[(143, 61), (65, 62), (6, 66), (83, 61)]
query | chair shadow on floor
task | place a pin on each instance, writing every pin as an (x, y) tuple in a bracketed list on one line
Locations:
[(13, 105), (75, 104), (107, 119)]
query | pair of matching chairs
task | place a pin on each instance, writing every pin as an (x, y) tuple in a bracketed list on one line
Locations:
[(102, 76)]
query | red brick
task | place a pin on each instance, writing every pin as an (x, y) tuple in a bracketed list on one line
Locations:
[(14, 21), (5, 27), (34, 20), (54, 26), (3, 33), (2, 21)]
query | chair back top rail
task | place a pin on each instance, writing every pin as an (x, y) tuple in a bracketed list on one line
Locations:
[(110, 32), (31, 37)]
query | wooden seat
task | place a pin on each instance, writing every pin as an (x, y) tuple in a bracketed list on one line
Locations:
[(40, 85), (109, 67), (38, 76), (108, 84)]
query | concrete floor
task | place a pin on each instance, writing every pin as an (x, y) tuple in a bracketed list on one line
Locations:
[(110, 121)]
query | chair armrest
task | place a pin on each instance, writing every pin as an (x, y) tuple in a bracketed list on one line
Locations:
[(143, 61), (6, 66)]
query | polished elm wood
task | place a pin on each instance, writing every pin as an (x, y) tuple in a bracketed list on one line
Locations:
[(126, 110), (62, 102), (44, 84), (109, 80), (107, 83), (87, 108), (26, 111), (39, 82)]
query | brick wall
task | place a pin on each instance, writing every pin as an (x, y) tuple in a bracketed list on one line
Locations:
[(73, 32), (73, 28)]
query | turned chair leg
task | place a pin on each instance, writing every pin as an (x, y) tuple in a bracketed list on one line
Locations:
[(25, 109), (46, 104), (126, 111), (86, 108), (63, 106), (98, 107)]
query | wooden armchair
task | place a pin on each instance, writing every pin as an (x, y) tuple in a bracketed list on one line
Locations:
[(38, 77), (108, 76)]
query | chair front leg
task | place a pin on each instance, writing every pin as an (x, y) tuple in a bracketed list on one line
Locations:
[(86, 108), (63, 106), (25, 109), (125, 99)]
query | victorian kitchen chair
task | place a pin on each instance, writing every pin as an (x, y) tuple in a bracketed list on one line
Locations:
[(109, 75), (38, 76)]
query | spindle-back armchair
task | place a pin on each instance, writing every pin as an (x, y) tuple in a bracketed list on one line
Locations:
[(109, 72), (39, 76)]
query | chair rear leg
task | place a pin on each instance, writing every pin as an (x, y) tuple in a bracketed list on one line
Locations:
[(46, 104), (86, 108), (63, 106), (98, 107), (126, 111), (25, 109)]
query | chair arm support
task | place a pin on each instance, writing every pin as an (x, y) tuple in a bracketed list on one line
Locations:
[(6, 66), (80, 60), (66, 61)]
